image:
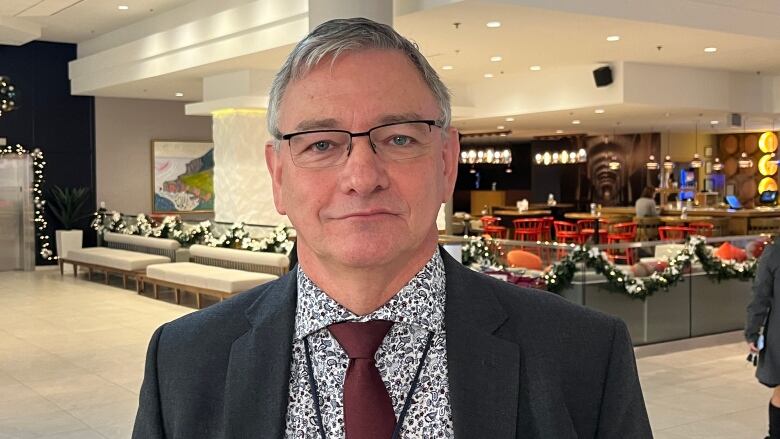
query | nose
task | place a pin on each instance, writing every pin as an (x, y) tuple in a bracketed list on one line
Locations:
[(365, 172)]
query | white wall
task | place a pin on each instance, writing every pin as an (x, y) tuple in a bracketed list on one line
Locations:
[(124, 130)]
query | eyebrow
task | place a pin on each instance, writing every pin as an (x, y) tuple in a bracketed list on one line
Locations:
[(330, 123)]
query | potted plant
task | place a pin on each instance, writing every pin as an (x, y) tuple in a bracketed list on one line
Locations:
[(67, 206)]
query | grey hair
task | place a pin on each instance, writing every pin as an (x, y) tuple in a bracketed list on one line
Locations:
[(337, 36)]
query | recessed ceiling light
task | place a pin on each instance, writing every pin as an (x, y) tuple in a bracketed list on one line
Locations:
[(613, 38), (447, 67), (493, 24), (714, 122), (558, 131), (535, 68), (496, 58), (500, 127), (599, 111), (510, 119), (123, 7), (575, 122), (179, 94), (710, 49), (488, 75)]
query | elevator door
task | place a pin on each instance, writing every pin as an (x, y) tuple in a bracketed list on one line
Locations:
[(17, 245)]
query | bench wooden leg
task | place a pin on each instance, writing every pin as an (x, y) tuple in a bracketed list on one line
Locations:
[(177, 295), (59, 261), (156, 292), (75, 270), (137, 286), (106, 277), (197, 300), (89, 273), (124, 280)]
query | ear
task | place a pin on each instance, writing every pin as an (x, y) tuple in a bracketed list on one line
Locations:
[(450, 155), (273, 160)]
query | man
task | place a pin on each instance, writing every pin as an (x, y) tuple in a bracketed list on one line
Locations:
[(362, 159)]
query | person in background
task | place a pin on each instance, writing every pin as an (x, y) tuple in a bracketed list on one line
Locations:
[(645, 205), (759, 314)]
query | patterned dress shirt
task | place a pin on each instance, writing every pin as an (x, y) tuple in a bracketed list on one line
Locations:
[(417, 309)]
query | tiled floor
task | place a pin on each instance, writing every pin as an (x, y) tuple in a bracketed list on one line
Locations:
[(72, 354)]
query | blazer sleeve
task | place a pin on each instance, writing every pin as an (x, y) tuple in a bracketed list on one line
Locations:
[(763, 286), (623, 413), (148, 421)]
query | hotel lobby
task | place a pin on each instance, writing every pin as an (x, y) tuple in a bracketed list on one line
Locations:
[(134, 187)]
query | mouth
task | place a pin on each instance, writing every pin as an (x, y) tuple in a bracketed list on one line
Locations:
[(372, 213)]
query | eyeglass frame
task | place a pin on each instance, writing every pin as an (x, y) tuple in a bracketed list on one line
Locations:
[(429, 122)]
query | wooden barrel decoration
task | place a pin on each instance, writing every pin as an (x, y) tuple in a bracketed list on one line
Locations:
[(730, 166), (751, 143), (747, 190), (729, 144)]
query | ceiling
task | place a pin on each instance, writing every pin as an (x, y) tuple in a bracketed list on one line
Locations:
[(528, 36)]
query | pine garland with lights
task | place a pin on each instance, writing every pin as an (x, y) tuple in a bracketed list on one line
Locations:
[(560, 276), (482, 252), (41, 225)]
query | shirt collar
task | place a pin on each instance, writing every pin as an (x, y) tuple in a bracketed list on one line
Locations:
[(420, 303)]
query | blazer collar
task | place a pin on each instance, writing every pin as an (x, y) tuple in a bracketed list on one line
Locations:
[(257, 381), (484, 370)]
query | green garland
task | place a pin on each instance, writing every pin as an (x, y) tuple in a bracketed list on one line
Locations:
[(561, 274), (482, 252)]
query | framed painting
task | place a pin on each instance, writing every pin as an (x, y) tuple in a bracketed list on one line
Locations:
[(182, 177)]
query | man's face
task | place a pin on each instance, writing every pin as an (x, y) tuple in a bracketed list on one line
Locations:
[(368, 211)]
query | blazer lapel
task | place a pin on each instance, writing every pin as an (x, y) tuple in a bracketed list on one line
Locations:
[(256, 390), (484, 370)]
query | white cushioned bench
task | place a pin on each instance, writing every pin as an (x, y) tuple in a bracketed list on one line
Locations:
[(216, 272), (126, 256)]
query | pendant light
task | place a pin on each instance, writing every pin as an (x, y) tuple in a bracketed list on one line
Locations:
[(745, 161), (614, 164), (651, 164), (717, 166), (696, 162)]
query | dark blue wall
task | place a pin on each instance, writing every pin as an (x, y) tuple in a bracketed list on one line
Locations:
[(49, 118)]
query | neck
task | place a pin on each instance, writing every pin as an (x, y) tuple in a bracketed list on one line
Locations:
[(363, 290)]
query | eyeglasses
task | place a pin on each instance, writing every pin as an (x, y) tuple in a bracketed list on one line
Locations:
[(393, 141)]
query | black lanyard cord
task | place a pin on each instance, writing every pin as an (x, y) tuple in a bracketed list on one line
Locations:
[(407, 402)]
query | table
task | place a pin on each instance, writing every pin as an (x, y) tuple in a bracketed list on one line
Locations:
[(526, 213)]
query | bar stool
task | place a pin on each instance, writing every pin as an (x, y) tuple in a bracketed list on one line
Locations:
[(702, 229), (496, 232), (587, 227), (622, 233), (674, 233), (565, 233)]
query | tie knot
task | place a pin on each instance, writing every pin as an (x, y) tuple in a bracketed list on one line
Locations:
[(360, 340)]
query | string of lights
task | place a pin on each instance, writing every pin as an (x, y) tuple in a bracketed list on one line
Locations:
[(41, 225)]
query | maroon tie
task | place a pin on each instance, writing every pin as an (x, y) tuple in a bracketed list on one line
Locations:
[(368, 410)]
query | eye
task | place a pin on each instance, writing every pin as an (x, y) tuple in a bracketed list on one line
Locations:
[(400, 140), (320, 146)]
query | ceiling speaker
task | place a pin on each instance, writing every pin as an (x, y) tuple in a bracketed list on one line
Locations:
[(603, 76)]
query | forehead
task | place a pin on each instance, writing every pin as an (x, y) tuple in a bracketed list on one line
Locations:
[(357, 89)]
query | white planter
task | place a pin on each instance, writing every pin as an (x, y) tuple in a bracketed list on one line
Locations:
[(68, 240)]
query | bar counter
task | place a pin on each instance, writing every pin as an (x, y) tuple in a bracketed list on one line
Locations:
[(740, 222)]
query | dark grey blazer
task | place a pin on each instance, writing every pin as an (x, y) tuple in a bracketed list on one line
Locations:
[(761, 312), (522, 364)]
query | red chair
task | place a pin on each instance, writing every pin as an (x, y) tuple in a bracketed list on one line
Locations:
[(587, 227), (621, 233), (524, 259), (496, 232), (565, 233), (702, 229), (528, 229), (673, 233), (489, 221)]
